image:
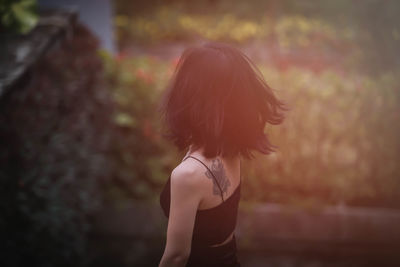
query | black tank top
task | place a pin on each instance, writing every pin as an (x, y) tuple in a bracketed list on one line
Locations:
[(212, 225)]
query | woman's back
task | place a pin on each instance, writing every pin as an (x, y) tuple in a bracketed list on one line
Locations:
[(213, 241), (223, 178)]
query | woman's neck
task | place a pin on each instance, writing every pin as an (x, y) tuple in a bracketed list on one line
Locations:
[(199, 152)]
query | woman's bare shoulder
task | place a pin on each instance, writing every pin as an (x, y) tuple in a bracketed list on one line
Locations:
[(189, 173)]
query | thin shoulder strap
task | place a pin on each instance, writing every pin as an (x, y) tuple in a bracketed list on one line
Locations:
[(210, 172), (240, 170)]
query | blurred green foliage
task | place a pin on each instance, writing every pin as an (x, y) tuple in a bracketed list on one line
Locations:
[(167, 23), (339, 143), (369, 30), (140, 161), (337, 65), (18, 16)]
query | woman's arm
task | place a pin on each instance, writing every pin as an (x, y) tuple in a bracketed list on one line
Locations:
[(185, 198)]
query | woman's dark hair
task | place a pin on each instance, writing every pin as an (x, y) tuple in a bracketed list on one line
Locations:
[(218, 99)]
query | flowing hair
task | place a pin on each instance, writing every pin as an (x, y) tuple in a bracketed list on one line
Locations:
[(218, 99)]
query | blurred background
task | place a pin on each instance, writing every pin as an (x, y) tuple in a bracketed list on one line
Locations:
[(82, 156)]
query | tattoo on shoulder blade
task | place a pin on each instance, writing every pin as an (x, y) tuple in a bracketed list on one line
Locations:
[(217, 169)]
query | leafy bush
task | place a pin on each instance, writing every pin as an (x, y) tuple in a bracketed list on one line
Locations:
[(338, 145), (18, 15), (368, 32), (173, 23), (140, 161)]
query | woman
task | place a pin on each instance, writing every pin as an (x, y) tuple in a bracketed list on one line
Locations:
[(216, 106)]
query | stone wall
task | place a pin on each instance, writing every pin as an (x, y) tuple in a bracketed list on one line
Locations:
[(55, 132)]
